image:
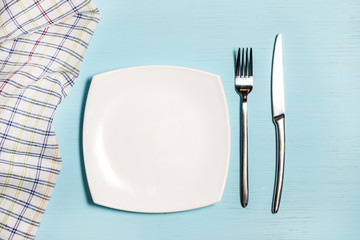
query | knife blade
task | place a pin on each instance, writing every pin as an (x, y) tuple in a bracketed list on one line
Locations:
[(278, 110)]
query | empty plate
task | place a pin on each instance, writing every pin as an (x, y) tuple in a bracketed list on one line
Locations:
[(156, 139)]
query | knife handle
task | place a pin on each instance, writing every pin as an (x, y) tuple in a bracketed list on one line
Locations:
[(244, 185), (280, 161)]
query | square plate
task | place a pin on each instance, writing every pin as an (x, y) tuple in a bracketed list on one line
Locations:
[(156, 139)]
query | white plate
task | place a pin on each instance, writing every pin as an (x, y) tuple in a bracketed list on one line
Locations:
[(156, 139)]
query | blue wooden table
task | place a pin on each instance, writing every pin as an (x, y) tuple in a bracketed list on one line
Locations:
[(321, 40)]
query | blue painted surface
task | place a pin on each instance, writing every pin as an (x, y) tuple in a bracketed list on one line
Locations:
[(321, 41)]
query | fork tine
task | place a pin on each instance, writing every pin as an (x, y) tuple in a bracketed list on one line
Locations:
[(251, 64), (242, 64), (246, 63), (237, 71)]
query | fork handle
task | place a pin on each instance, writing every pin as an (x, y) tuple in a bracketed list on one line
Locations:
[(244, 184), (280, 161)]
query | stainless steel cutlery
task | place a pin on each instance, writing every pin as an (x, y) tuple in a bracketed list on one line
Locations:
[(243, 86), (278, 111)]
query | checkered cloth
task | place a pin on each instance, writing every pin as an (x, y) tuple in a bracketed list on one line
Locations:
[(42, 44)]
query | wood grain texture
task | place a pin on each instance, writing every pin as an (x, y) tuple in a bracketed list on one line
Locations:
[(321, 41)]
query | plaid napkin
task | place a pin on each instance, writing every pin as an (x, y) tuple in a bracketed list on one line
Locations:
[(42, 44)]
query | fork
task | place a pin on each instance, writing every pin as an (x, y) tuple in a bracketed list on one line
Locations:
[(243, 86)]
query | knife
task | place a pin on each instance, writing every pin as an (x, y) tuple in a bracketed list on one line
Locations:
[(278, 111)]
